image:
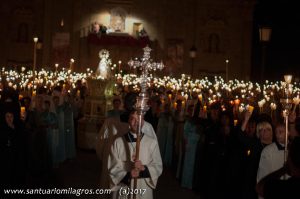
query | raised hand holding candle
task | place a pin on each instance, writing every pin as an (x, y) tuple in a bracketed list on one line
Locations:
[(250, 109)]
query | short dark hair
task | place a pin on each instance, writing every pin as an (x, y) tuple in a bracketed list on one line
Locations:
[(129, 101), (116, 100)]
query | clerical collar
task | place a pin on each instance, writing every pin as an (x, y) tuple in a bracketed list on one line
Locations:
[(279, 146), (130, 137), (132, 134)]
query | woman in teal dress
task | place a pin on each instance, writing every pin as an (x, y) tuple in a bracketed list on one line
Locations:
[(164, 135), (178, 141), (61, 148), (191, 138), (50, 122)]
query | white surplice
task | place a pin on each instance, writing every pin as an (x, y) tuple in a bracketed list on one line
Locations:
[(120, 162), (111, 129), (271, 159)]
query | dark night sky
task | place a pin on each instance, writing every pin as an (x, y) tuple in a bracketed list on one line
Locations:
[(283, 50)]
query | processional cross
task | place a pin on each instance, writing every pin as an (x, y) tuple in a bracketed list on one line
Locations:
[(145, 65), (287, 103)]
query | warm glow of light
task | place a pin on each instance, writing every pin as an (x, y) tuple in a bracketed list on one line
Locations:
[(35, 39), (103, 18)]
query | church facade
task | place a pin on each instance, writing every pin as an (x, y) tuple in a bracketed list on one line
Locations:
[(220, 30)]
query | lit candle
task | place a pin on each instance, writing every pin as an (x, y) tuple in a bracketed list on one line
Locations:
[(250, 108), (273, 106), (235, 122), (200, 97), (186, 97), (71, 64), (288, 78), (296, 101), (120, 62), (237, 101), (56, 66), (248, 152), (23, 113), (241, 109)]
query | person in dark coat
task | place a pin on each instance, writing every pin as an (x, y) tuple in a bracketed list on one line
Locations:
[(152, 115), (13, 152)]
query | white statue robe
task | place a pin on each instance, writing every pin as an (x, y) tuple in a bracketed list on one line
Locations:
[(111, 129), (120, 163)]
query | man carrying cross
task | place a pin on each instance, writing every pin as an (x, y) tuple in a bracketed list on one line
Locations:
[(123, 166)]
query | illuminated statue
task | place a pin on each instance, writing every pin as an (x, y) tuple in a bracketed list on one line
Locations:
[(103, 69)]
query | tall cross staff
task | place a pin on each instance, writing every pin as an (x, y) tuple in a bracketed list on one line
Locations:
[(145, 65), (287, 104)]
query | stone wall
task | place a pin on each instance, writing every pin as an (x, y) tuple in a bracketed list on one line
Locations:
[(220, 29)]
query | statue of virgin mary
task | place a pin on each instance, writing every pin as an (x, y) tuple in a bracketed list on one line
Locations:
[(103, 69)]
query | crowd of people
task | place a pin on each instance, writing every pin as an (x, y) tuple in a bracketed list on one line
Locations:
[(37, 133), (213, 151), (209, 149)]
